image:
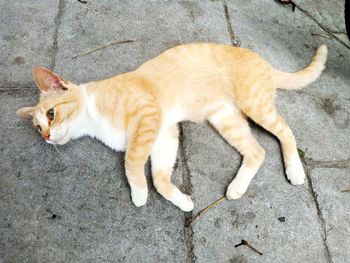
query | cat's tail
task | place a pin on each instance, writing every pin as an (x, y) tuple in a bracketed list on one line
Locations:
[(302, 78)]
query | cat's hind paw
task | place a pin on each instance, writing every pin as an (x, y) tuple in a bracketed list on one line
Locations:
[(295, 172), (297, 180)]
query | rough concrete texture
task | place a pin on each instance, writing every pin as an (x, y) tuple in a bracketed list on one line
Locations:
[(26, 37), (329, 14), (332, 188), (154, 25), (284, 38), (257, 216), (72, 204)]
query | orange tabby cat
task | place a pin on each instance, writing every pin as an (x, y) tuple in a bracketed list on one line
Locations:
[(138, 111)]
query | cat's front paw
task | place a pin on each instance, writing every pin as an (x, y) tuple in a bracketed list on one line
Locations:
[(139, 196), (186, 205), (295, 172), (182, 201)]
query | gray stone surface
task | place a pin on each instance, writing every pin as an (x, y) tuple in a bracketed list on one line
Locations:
[(332, 188), (319, 112), (256, 216), (154, 25), (72, 204), (329, 14), (75, 208), (26, 37)]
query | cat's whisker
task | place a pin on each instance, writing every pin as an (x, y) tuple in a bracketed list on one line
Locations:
[(54, 145)]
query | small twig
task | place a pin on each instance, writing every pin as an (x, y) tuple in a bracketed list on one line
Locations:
[(83, 1), (246, 243), (345, 190), (104, 46), (338, 32), (205, 210), (322, 35)]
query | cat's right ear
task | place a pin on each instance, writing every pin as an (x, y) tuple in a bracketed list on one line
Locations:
[(26, 112), (48, 81)]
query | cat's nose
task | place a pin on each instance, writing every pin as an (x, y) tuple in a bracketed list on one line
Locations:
[(46, 136)]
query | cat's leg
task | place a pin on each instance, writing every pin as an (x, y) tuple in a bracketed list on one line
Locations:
[(266, 115), (163, 157), (142, 130), (235, 129)]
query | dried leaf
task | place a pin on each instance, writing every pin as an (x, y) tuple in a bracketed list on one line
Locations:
[(301, 153)]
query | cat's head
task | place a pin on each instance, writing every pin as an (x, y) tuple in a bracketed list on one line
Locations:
[(59, 104)]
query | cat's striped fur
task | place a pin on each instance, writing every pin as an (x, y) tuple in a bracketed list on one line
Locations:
[(138, 111)]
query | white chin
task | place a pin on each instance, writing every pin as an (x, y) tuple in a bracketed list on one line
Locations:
[(61, 141)]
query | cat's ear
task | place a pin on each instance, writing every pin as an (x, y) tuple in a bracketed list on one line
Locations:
[(26, 112), (48, 81)]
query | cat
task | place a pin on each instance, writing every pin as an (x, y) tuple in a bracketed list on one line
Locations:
[(138, 111)]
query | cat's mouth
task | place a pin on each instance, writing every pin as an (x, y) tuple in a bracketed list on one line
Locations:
[(61, 140)]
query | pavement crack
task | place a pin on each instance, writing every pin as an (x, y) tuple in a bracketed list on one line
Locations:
[(320, 217), (338, 32), (57, 20), (187, 186), (326, 164), (234, 39), (321, 26), (16, 88)]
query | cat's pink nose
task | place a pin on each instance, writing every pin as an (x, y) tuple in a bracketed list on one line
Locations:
[(46, 136)]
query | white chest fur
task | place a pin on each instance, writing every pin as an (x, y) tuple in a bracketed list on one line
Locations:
[(95, 125)]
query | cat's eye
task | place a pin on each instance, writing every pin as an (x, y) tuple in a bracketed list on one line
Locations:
[(50, 114), (39, 128)]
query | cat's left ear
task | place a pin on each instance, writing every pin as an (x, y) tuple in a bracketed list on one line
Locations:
[(48, 81), (26, 112)]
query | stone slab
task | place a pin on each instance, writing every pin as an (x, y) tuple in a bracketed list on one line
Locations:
[(26, 39), (154, 25), (69, 205), (319, 112), (277, 218), (329, 14), (329, 185), (72, 204)]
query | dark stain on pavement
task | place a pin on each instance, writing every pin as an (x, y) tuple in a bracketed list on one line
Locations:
[(339, 114), (242, 219), (18, 61), (238, 259), (282, 219), (329, 106)]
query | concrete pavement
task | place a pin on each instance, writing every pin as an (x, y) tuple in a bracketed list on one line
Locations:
[(72, 204)]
